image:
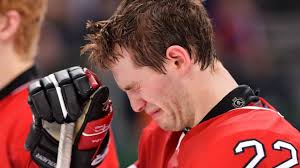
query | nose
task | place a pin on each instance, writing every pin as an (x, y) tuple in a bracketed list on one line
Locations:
[(137, 103)]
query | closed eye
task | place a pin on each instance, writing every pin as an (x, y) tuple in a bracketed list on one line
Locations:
[(131, 87)]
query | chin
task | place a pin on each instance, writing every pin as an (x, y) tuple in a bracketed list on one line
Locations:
[(170, 127)]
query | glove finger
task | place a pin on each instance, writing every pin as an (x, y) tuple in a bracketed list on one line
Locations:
[(55, 102), (69, 95), (71, 102), (38, 102), (81, 82)]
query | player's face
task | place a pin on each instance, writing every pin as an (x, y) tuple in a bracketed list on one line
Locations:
[(158, 95)]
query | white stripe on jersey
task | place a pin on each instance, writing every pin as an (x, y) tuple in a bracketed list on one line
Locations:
[(258, 108)]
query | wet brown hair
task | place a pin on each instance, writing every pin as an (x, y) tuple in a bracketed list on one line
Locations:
[(32, 14), (147, 28)]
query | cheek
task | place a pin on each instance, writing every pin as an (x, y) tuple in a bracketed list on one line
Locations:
[(173, 100), (161, 90), (157, 93), (166, 98), (156, 86)]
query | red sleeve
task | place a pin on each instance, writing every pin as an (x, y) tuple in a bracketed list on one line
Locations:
[(18, 118)]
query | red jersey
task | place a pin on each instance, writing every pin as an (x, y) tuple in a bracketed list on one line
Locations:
[(244, 137), (230, 136), (15, 125), (16, 119)]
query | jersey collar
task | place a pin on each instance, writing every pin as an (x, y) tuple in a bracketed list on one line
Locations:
[(23, 78), (239, 97)]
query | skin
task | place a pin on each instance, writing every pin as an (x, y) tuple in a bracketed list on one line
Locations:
[(175, 100), (11, 62)]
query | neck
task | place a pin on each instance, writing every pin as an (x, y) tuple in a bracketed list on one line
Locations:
[(12, 66), (209, 92)]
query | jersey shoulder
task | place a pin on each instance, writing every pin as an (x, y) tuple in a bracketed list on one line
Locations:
[(246, 136), (254, 148), (17, 98), (252, 120)]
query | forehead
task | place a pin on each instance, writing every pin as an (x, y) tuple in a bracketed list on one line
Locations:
[(124, 69), (124, 61)]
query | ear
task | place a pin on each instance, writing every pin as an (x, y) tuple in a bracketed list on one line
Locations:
[(9, 24), (179, 59)]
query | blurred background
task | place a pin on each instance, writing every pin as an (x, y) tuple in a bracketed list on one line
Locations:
[(258, 41)]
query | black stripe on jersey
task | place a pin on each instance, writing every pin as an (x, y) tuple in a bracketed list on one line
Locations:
[(25, 77)]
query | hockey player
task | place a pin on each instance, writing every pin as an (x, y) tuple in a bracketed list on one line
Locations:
[(162, 54), (20, 25)]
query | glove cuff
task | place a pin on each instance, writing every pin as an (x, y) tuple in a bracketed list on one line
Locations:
[(94, 133)]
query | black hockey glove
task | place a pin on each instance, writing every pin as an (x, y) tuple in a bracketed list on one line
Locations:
[(70, 95)]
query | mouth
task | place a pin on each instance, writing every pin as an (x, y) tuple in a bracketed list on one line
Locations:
[(154, 114)]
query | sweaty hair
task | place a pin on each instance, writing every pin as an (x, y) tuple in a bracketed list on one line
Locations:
[(146, 28), (32, 14)]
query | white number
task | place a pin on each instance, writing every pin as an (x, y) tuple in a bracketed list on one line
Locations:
[(260, 153), (278, 145), (259, 149)]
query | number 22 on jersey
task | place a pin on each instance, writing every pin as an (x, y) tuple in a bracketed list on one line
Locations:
[(261, 154)]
